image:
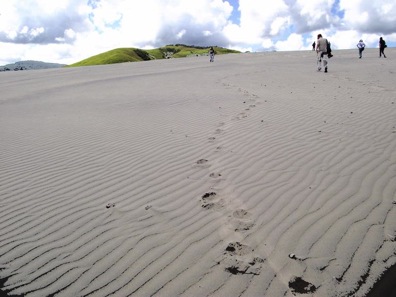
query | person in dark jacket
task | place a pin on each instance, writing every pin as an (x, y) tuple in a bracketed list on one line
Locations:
[(211, 54), (382, 46)]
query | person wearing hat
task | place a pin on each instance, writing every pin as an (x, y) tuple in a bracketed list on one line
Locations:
[(361, 47)]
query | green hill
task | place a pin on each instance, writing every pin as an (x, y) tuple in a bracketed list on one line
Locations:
[(121, 55)]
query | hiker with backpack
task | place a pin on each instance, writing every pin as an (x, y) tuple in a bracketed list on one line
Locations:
[(382, 46), (323, 51)]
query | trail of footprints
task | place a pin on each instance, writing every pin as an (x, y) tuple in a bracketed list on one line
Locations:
[(237, 257)]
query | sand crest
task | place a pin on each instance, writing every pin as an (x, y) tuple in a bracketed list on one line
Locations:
[(254, 175)]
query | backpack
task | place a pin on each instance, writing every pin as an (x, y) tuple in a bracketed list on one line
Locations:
[(329, 49)]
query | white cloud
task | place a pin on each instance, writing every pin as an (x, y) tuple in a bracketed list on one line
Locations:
[(24, 30), (257, 16), (293, 42), (70, 34), (49, 7), (34, 32), (279, 24), (267, 43), (181, 34), (106, 15), (376, 16)]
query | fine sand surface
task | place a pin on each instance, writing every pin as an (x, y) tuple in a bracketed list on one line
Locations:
[(254, 175)]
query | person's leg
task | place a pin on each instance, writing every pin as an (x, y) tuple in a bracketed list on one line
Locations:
[(325, 63), (319, 61), (382, 52)]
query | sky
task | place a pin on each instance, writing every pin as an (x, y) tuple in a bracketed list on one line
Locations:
[(68, 31)]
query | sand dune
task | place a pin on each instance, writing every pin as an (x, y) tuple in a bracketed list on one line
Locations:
[(251, 176)]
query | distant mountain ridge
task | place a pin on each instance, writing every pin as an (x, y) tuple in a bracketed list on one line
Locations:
[(30, 65), (122, 55)]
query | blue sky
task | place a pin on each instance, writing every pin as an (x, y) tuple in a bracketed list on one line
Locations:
[(235, 16), (336, 10), (67, 31)]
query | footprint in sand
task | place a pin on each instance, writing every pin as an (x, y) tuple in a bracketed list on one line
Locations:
[(239, 116), (109, 205), (241, 214), (210, 201), (209, 195), (212, 139), (219, 131), (300, 286), (239, 258), (215, 175), (238, 249), (240, 220), (250, 106), (202, 163)]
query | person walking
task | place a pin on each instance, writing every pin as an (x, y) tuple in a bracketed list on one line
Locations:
[(361, 47), (321, 50), (382, 46), (211, 54)]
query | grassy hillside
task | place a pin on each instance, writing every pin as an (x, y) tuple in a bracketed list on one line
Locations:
[(121, 55)]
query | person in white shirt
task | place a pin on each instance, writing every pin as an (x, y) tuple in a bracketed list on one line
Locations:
[(361, 47), (321, 50)]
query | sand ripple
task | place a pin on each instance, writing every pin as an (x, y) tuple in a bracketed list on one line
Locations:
[(251, 176)]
